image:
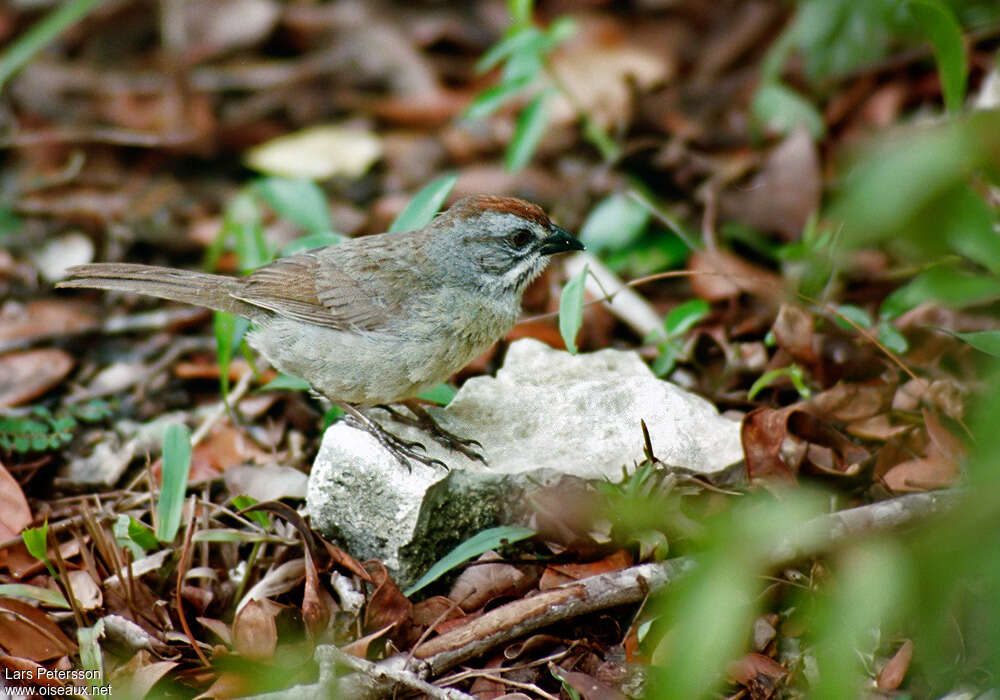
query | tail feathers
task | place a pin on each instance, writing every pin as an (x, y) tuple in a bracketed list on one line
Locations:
[(187, 286)]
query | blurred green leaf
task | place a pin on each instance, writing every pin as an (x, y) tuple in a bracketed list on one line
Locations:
[(896, 181), (782, 110), (176, 466), (617, 221), (984, 341), (968, 225), (938, 23), (9, 222), (312, 241), (945, 284), (299, 200), (528, 133), (683, 317), (229, 332), (520, 10), (442, 394), (332, 414), (491, 99), (424, 205), (571, 309), (45, 596), (856, 314), (870, 591), (242, 222), (519, 39), (891, 338), (472, 547), (286, 382), (42, 33)]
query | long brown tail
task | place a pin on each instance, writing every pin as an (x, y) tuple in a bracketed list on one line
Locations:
[(198, 288)]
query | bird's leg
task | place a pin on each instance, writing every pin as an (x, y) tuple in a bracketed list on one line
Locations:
[(402, 450), (425, 421)]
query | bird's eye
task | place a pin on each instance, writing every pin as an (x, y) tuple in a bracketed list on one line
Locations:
[(521, 238)]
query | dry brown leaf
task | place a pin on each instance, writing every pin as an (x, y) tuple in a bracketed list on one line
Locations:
[(387, 606), (45, 318), (720, 275), (587, 686), (786, 191), (559, 574), (481, 583), (85, 589), (29, 632), (255, 633), (139, 674), (27, 375), (758, 673), (15, 515), (892, 674)]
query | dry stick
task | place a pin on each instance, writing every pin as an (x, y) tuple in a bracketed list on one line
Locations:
[(329, 657), (591, 594)]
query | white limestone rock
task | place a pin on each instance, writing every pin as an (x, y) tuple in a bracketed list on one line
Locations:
[(547, 415)]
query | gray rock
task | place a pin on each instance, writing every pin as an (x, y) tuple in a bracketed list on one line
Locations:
[(547, 415)]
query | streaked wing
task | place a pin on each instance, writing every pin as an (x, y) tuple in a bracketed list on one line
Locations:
[(312, 289)]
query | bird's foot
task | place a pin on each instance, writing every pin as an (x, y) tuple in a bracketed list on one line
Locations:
[(423, 420), (402, 450)]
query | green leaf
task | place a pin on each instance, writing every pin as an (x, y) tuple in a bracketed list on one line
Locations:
[(855, 313), (36, 542), (665, 361), (243, 502), (891, 338), (92, 411), (229, 332), (141, 534), (520, 10), (528, 133), (794, 373), (442, 394), (617, 221), (491, 99), (176, 467), (42, 33), (10, 223), (91, 659), (783, 110), (331, 416), (939, 25), (472, 547), (984, 341), (312, 241), (286, 382), (945, 284), (45, 596), (299, 200), (518, 40), (220, 534), (684, 316), (424, 205), (571, 309), (242, 222)]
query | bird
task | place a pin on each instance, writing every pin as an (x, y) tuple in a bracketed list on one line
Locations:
[(376, 320)]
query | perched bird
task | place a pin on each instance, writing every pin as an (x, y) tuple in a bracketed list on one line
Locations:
[(378, 319)]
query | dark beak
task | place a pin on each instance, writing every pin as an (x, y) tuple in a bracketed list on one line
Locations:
[(559, 241)]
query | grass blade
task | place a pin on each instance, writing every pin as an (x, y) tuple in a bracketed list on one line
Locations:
[(571, 309), (424, 205), (176, 466), (472, 547)]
